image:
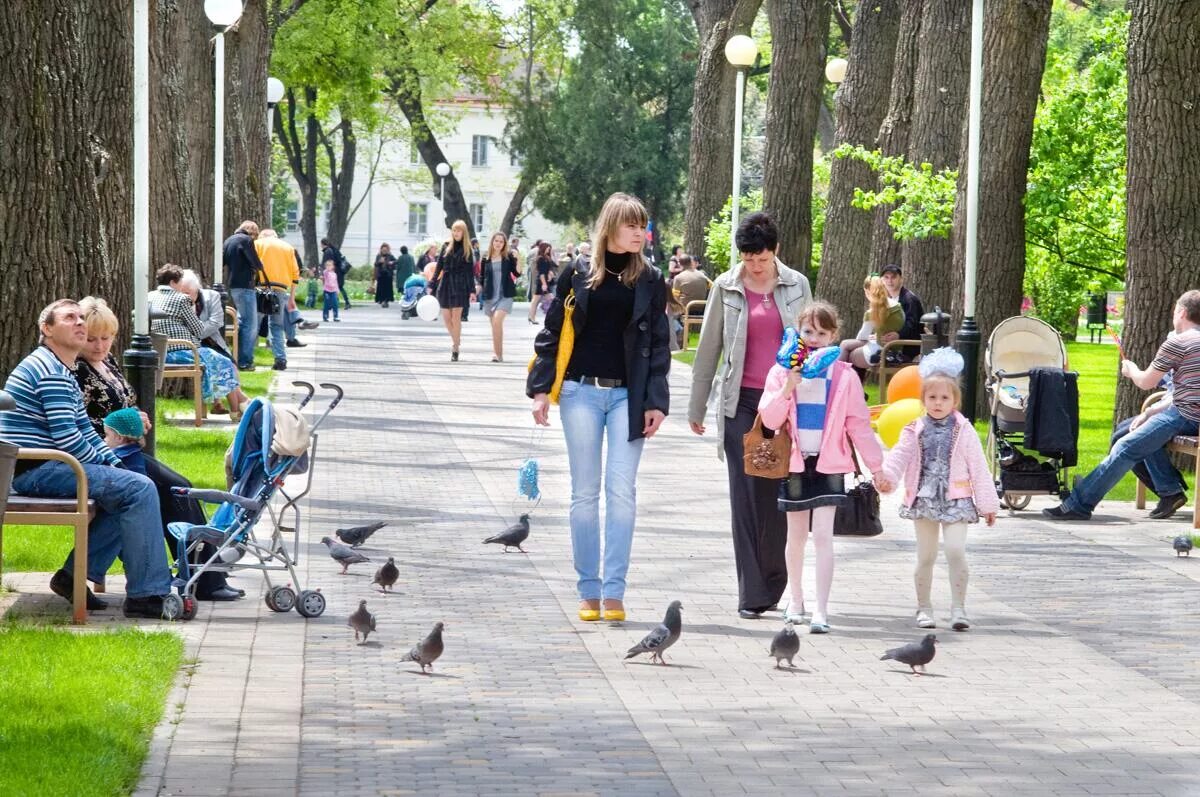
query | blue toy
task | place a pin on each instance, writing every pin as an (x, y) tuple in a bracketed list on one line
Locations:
[(527, 480)]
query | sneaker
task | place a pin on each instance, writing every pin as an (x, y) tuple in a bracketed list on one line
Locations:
[(337, 319), (1167, 505), (925, 619), (310, 324), (958, 620), (280, 365), (1061, 512), (295, 344), (62, 584), (150, 606), (819, 625)]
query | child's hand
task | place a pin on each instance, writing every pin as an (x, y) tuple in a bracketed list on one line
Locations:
[(793, 379), (882, 483), (990, 517)]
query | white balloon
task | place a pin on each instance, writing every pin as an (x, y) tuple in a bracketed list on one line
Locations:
[(428, 308)]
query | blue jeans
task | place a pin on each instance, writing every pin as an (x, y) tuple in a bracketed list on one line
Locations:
[(279, 327), (589, 416), (1135, 447), (1156, 470), (330, 305), (127, 522), (247, 310)]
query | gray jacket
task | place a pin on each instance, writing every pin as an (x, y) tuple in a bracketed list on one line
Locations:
[(722, 348)]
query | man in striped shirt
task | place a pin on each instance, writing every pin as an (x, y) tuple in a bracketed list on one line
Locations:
[(1153, 429), (50, 414)]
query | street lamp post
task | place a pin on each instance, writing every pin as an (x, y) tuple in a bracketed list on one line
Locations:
[(835, 70), (221, 13), (274, 95), (968, 337), (740, 51), (443, 169)]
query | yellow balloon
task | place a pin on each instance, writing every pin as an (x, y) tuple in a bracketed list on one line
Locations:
[(905, 384), (898, 415)]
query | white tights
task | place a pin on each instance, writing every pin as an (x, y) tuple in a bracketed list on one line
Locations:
[(954, 542), (822, 531)]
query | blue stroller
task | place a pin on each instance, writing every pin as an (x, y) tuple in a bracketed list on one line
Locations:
[(414, 289), (257, 473)]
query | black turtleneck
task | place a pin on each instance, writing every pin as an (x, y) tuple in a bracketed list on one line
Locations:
[(600, 346)]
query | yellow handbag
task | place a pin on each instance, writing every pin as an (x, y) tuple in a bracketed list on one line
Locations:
[(566, 344)]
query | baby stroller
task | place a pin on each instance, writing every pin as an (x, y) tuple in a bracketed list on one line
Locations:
[(1034, 406), (258, 471), (414, 289)]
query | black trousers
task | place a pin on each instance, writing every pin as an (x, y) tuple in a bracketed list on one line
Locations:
[(759, 528), (180, 509)]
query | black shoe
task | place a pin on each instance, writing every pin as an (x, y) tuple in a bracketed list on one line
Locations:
[(220, 594), (295, 344), (1061, 513), (62, 584), (749, 614), (453, 356), (280, 365), (1167, 506), (245, 368), (150, 606)]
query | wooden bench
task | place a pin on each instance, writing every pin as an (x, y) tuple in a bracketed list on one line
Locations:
[(691, 319), (76, 512), (231, 330), (193, 370), (1188, 445), (883, 369)]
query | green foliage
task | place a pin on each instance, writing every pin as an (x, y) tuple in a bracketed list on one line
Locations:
[(718, 239), (923, 199)]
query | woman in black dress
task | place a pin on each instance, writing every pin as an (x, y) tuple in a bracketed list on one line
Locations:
[(542, 280), (455, 281), (385, 276)]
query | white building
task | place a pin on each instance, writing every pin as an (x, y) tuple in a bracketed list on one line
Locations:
[(402, 209)]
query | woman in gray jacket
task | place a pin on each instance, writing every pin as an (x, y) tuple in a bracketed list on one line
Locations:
[(747, 311)]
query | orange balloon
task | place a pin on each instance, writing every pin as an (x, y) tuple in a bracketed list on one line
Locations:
[(905, 384)]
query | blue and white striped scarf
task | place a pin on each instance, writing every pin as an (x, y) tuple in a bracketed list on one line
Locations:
[(812, 396)]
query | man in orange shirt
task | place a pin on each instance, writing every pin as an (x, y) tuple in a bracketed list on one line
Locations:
[(281, 270)]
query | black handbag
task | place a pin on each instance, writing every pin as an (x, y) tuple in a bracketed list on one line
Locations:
[(267, 301), (859, 516)]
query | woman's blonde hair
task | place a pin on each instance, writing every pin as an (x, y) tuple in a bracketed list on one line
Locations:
[(468, 250), (503, 247), (823, 315), (619, 209), (98, 317), (877, 301), (943, 379)]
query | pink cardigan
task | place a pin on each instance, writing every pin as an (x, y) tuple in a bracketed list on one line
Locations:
[(969, 473), (845, 414)]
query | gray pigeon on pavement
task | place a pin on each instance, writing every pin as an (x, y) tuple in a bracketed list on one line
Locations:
[(386, 576), (357, 535), (1183, 545), (344, 555), (662, 637), (513, 536), (914, 654), (362, 621), (427, 651), (785, 645)]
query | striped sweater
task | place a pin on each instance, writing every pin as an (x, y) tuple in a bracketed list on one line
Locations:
[(50, 412)]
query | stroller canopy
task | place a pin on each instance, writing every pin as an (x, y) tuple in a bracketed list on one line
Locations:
[(1016, 345)]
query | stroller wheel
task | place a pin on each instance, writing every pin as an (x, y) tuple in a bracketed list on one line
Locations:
[(281, 599), (1017, 502), (172, 607), (311, 603), (190, 608)]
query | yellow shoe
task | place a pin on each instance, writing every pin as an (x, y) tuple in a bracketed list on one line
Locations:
[(614, 614), (588, 614)]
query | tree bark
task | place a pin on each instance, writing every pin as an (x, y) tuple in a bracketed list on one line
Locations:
[(514, 204), (862, 101), (301, 152), (710, 156), (798, 32), (1163, 176), (939, 109), (1014, 47), (66, 173), (247, 142), (340, 161), (894, 130)]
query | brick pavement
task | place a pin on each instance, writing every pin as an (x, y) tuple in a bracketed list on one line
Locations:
[(1074, 681)]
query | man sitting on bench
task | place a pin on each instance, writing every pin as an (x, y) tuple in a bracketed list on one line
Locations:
[(50, 414)]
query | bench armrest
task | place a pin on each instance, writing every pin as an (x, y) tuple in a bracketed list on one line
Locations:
[(895, 344), (1152, 399), (81, 480)]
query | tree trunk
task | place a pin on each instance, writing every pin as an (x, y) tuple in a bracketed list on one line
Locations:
[(1163, 176), (340, 163), (301, 153), (893, 132), (66, 185), (798, 32), (247, 141), (861, 102), (1014, 47), (514, 204), (939, 109), (710, 156)]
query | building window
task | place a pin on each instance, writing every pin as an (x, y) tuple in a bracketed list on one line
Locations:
[(478, 218), (293, 218), (479, 150), (418, 218)]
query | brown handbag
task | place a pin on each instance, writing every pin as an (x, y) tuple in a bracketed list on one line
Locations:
[(766, 457)]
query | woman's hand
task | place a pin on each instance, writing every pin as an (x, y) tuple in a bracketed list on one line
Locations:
[(698, 428), (889, 337), (654, 419), (146, 421), (541, 409)]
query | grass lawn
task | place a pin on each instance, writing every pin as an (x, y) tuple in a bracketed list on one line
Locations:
[(77, 709)]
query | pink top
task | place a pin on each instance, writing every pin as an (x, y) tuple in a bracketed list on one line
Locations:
[(330, 281), (764, 330), (970, 476)]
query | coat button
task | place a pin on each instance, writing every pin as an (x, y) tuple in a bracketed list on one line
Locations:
[(643, 326), (645, 352)]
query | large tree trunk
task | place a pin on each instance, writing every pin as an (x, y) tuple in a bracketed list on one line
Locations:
[(710, 156), (894, 130), (514, 205), (66, 185), (247, 141), (798, 32), (340, 161), (301, 152), (1163, 176), (861, 102), (939, 108), (1014, 47)]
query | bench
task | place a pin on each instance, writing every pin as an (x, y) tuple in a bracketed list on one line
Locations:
[(883, 369), (193, 370), (231, 330), (76, 512), (1188, 445), (693, 315)]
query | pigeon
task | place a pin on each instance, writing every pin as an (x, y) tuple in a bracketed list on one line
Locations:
[(662, 637), (513, 536), (914, 654), (344, 555), (785, 645), (356, 536), (427, 651), (386, 576), (362, 621), (1183, 545)]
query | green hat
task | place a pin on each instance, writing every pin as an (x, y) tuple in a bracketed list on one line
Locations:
[(126, 422)]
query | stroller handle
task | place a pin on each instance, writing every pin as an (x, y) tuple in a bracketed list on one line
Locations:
[(307, 386), (218, 497), (335, 388)]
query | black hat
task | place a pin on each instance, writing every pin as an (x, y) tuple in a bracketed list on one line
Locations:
[(890, 267)]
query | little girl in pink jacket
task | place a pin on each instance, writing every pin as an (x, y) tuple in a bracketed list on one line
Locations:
[(947, 483), (820, 401)]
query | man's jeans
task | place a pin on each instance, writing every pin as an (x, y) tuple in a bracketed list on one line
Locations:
[(247, 309), (127, 522), (1135, 447), (278, 326), (1156, 470), (590, 417)]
